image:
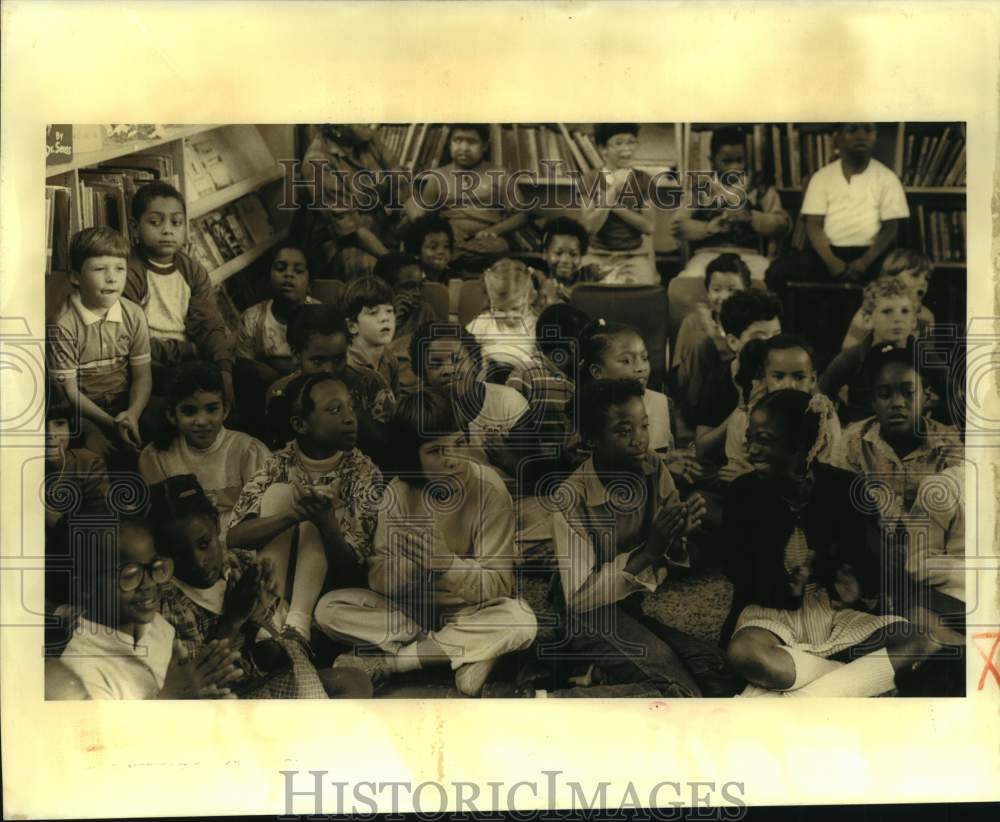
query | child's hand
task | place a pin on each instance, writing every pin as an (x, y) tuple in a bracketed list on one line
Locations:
[(837, 268), (128, 430), (847, 587), (205, 676), (309, 503), (241, 598), (854, 271), (669, 524), (696, 510), (418, 548), (732, 471), (683, 464)]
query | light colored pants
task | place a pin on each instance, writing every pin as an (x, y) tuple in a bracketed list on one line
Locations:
[(473, 633), (310, 565), (757, 263)]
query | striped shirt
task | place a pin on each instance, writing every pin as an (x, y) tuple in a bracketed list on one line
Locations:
[(97, 351)]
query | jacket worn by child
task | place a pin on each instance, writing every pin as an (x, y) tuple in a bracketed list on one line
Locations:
[(183, 316)]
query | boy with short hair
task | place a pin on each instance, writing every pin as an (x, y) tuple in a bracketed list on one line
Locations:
[(915, 270), (622, 218), (700, 338), (564, 244), (853, 208), (746, 315), (405, 277), (319, 339), (889, 310), (432, 241), (714, 228), (371, 320), (173, 289), (98, 347)]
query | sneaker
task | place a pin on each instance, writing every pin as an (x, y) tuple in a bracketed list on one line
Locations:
[(376, 667), (471, 677)]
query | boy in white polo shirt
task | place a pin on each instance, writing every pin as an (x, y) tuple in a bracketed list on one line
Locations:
[(853, 208)]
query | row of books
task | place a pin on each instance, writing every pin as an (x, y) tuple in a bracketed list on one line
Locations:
[(934, 160), (545, 150), (218, 158), (941, 234), (226, 233), (106, 193)]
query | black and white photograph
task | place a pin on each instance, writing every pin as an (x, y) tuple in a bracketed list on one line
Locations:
[(467, 408)]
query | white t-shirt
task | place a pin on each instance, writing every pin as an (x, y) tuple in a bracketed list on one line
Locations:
[(507, 338), (855, 209), (167, 307), (658, 411), (502, 408)]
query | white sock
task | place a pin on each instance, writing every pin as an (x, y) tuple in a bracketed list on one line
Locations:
[(406, 659), (301, 622), (869, 675), (808, 667)]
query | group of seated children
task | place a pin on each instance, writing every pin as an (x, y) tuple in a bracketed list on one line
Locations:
[(386, 474)]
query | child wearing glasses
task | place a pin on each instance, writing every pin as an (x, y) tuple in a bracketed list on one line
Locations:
[(121, 647)]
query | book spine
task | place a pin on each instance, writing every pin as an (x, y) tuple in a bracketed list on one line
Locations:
[(793, 155), (935, 162), (921, 228), (925, 160), (573, 149), (496, 145), (935, 238), (779, 177)]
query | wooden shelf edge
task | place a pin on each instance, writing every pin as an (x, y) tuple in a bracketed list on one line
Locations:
[(114, 151), (934, 190), (226, 270), (949, 264), (203, 205)]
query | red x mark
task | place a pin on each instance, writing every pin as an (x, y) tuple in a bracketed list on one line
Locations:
[(989, 667)]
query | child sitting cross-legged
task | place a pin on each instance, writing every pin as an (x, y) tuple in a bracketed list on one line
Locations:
[(217, 593), (621, 527), (371, 319), (889, 309), (440, 578), (120, 646), (319, 339), (806, 578), (319, 492), (173, 289), (98, 347), (197, 441)]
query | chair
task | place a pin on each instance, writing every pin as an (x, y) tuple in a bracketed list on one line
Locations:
[(436, 296), (472, 301), (330, 292), (644, 307)]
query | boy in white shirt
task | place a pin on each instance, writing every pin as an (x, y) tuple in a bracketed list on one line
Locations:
[(853, 208)]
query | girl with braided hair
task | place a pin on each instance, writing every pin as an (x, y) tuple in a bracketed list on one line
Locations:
[(805, 581)]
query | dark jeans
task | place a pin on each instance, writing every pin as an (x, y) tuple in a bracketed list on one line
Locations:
[(630, 649), (806, 266)]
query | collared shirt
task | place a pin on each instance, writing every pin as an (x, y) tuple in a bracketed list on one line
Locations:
[(98, 351), (600, 527), (114, 665), (867, 453), (386, 366), (355, 485), (855, 209), (262, 334)]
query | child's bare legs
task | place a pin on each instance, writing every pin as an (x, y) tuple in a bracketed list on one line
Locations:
[(310, 565)]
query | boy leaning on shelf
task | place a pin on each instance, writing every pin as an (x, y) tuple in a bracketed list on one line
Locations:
[(173, 289), (852, 208)]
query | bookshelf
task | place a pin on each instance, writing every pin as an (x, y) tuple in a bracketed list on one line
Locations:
[(229, 175), (525, 147)]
